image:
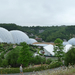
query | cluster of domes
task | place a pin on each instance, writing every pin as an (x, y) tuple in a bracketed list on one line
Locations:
[(14, 36), (71, 41)]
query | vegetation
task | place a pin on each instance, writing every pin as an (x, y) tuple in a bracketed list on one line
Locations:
[(12, 57), (70, 57), (24, 55), (67, 71), (58, 48), (28, 69), (48, 34)]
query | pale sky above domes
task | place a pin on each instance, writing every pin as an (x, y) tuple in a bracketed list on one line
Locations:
[(37, 12)]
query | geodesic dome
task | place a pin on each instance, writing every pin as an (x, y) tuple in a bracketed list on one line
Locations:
[(67, 47), (19, 36), (65, 43), (31, 41), (5, 35), (71, 41)]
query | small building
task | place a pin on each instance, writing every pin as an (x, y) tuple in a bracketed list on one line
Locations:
[(48, 50), (38, 39)]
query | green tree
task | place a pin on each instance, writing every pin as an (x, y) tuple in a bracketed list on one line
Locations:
[(70, 56), (58, 48), (0, 61), (4, 63), (12, 57), (25, 55)]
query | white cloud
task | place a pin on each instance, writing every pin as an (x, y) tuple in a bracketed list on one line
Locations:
[(37, 12)]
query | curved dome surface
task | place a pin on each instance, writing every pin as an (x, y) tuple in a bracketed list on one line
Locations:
[(31, 41), (65, 43), (5, 35), (71, 41), (19, 36), (1, 40), (67, 47)]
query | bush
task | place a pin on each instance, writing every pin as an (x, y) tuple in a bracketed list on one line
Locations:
[(38, 60), (55, 64), (48, 61), (70, 57), (2, 55), (4, 63), (0, 61), (12, 57)]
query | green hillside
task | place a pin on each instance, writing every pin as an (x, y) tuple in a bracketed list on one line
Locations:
[(48, 34)]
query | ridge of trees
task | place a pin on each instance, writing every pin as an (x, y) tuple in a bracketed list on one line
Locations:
[(49, 34)]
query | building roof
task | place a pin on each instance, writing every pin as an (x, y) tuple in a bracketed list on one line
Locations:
[(49, 48), (67, 47), (31, 41)]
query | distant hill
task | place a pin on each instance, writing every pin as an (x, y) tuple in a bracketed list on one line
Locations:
[(48, 34)]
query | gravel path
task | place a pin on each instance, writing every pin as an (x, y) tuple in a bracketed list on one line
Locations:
[(30, 73)]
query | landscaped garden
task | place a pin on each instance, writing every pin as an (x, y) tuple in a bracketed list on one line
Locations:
[(11, 58)]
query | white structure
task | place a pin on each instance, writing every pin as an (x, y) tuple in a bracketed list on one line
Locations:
[(48, 50), (67, 47), (71, 41), (19, 36), (65, 43), (5, 35), (35, 54), (41, 44), (31, 41), (14, 36)]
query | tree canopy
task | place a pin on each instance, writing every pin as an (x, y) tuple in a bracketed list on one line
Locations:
[(58, 48), (24, 55), (70, 57)]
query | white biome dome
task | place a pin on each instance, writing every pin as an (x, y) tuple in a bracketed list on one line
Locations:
[(5, 35), (19, 36), (71, 41), (65, 43), (31, 41)]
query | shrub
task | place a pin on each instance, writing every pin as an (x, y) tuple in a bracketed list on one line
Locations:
[(0, 61), (70, 56), (12, 57), (2, 55), (55, 64), (48, 61), (4, 63)]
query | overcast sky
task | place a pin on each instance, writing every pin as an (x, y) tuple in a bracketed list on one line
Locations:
[(37, 12)]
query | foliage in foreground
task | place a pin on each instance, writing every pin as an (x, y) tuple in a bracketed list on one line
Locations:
[(16, 70), (70, 57), (58, 48), (24, 55), (70, 71)]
